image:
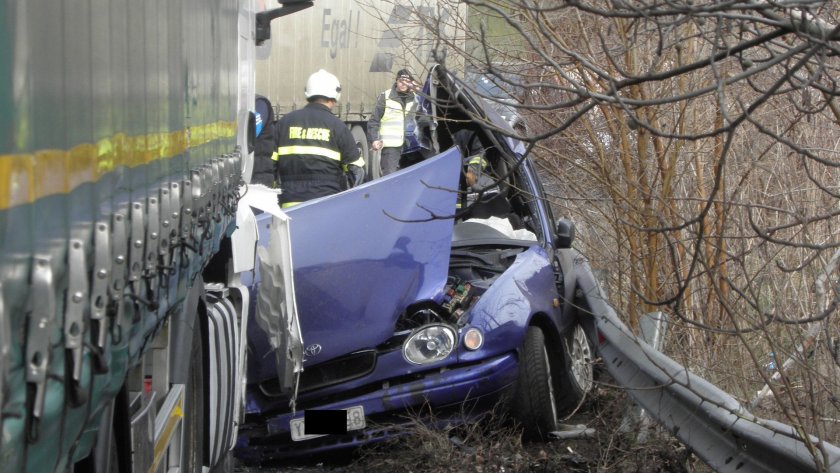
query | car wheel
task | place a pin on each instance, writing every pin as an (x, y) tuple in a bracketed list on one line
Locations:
[(534, 405), (577, 379)]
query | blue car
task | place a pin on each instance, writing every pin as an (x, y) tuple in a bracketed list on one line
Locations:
[(415, 292)]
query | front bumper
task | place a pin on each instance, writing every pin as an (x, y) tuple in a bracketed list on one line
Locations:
[(446, 390)]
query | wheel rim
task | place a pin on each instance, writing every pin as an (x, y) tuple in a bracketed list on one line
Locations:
[(581, 359), (550, 382)]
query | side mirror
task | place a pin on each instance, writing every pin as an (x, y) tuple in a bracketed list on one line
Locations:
[(565, 235), (263, 18)]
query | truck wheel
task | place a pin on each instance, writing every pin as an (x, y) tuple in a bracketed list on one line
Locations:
[(534, 404), (193, 447), (576, 380), (372, 170)]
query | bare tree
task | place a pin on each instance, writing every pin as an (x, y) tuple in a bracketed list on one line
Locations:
[(697, 146)]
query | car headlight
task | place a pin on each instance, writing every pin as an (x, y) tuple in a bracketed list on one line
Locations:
[(429, 344)]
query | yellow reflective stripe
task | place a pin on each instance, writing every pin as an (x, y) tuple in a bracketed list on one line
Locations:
[(27, 177), (478, 159), (359, 162), (81, 165), (50, 172), (18, 176), (311, 150), (288, 204)]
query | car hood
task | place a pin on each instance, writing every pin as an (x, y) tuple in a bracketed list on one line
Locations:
[(362, 256)]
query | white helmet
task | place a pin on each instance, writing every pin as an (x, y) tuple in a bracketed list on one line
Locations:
[(324, 84)]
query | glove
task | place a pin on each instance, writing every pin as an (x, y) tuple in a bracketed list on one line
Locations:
[(356, 175)]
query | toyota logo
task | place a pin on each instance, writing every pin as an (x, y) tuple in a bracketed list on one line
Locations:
[(313, 350)]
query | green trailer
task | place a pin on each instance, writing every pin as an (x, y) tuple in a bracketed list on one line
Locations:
[(124, 142)]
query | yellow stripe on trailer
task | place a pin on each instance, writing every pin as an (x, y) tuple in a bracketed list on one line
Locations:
[(27, 177), (18, 186)]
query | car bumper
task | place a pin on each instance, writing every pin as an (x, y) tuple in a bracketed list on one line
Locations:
[(480, 385)]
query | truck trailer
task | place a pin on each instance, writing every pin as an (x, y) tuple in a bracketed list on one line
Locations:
[(126, 134)]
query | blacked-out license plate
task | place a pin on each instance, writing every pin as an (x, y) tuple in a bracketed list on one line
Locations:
[(355, 421)]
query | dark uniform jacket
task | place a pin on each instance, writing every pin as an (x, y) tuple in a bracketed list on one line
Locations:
[(314, 147), (264, 146)]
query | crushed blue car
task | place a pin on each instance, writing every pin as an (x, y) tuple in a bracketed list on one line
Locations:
[(415, 293)]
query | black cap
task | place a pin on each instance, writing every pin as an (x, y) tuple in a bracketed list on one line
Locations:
[(404, 74)]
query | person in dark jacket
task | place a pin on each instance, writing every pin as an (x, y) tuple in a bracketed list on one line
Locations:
[(263, 172), (394, 109), (315, 155)]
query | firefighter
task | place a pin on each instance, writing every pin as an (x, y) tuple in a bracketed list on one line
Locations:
[(387, 125), (316, 155)]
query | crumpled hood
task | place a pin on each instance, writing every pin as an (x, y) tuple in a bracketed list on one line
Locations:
[(362, 256)]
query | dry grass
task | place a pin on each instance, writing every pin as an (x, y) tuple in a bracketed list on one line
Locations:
[(494, 445)]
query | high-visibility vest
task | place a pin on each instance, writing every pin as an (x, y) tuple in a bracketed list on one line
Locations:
[(392, 125)]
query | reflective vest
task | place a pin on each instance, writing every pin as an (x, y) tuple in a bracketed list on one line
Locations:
[(392, 125)]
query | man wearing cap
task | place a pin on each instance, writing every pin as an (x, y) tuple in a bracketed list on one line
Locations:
[(386, 127)]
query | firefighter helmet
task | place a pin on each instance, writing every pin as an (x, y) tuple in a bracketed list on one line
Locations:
[(323, 84)]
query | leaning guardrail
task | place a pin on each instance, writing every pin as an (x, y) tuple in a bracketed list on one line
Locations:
[(718, 429)]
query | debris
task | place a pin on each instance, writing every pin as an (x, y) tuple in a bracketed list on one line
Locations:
[(568, 431)]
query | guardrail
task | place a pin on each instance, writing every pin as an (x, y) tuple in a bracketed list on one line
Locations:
[(713, 424)]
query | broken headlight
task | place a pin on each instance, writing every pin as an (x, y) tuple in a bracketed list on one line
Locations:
[(429, 344)]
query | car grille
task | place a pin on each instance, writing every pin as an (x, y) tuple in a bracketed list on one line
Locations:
[(337, 371)]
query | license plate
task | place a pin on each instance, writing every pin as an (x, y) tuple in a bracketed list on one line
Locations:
[(355, 421)]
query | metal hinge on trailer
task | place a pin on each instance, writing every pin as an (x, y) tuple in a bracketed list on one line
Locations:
[(210, 193), (116, 289), (163, 262), (150, 256), (199, 218), (234, 161), (135, 253), (40, 320), (226, 179), (174, 234), (215, 190), (188, 213), (231, 163), (74, 324), (99, 295)]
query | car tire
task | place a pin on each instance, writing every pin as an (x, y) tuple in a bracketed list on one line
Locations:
[(576, 380), (534, 404)]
